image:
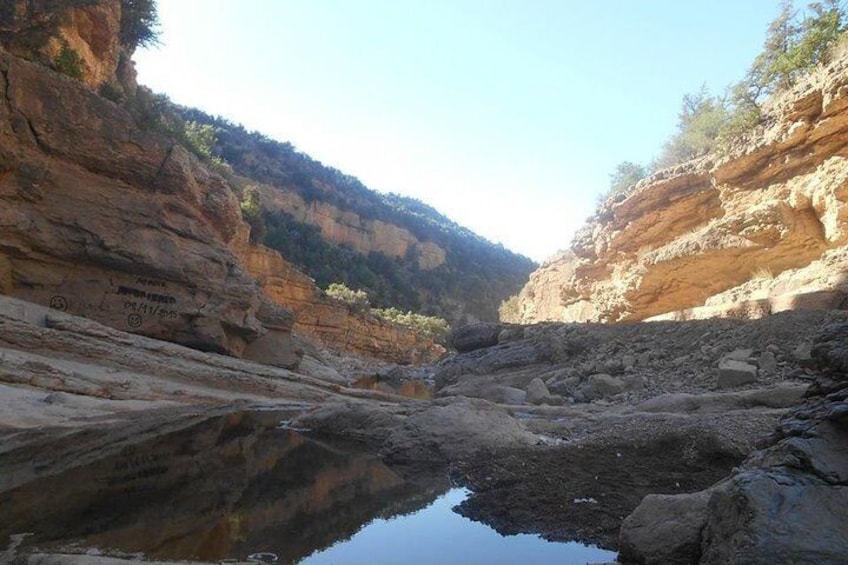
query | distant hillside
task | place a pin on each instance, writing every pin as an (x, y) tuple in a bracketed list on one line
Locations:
[(402, 252)]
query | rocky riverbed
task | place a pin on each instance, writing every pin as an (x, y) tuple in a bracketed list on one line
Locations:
[(558, 429)]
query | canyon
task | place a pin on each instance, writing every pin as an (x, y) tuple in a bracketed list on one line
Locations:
[(172, 388)]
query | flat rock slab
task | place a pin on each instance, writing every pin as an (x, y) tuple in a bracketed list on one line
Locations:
[(733, 373)]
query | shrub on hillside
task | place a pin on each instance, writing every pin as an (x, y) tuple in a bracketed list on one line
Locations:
[(356, 300), (431, 326)]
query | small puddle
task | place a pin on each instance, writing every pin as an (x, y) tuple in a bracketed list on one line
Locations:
[(238, 487)]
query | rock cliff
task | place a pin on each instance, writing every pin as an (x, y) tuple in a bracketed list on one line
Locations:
[(364, 236), (331, 322), (118, 222), (81, 38), (757, 229), (106, 220)]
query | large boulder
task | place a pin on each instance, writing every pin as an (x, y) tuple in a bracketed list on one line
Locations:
[(476, 336), (786, 504), (830, 352), (664, 530), (733, 373), (538, 393), (777, 519), (515, 354)]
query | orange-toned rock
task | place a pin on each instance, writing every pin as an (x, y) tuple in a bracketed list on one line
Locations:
[(343, 227), (102, 219), (757, 230), (330, 321), (41, 30)]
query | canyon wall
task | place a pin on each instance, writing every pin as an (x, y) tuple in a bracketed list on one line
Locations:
[(331, 322), (103, 219), (757, 229), (345, 227)]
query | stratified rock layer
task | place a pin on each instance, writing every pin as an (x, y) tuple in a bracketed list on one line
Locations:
[(757, 230), (331, 322), (102, 219)]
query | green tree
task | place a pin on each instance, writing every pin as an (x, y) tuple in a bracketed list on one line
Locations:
[(201, 138), (796, 42), (139, 23), (251, 211), (625, 175), (700, 122)]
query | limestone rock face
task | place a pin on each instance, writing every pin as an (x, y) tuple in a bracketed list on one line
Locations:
[(40, 30), (344, 227), (101, 219), (331, 322), (755, 231)]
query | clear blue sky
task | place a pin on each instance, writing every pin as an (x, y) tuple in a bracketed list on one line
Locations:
[(506, 115)]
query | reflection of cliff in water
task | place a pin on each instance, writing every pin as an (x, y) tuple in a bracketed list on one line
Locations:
[(224, 488)]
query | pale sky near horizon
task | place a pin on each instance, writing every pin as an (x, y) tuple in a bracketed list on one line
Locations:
[(505, 115)]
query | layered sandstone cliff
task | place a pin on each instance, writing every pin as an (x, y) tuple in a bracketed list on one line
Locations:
[(758, 229), (362, 235), (106, 220), (330, 322)]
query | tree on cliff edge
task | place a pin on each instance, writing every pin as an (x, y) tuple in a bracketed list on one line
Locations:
[(139, 22)]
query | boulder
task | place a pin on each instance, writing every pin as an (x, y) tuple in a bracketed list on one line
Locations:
[(354, 419), (537, 392), (830, 351), (664, 530), (767, 364), (490, 360), (473, 388), (477, 336), (777, 519), (606, 385), (732, 373), (454, 428)]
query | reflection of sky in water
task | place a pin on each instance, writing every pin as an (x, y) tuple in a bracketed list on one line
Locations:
[(438, 535)]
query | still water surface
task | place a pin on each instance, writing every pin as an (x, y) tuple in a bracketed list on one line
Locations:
[(233, 486), (437, 535)]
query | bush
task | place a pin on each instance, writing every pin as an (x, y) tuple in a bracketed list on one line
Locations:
[(139, 21), (626, 174), (510, 310), (251, 211), (69, 62), (356, 300), (200, 138), (431, 326)]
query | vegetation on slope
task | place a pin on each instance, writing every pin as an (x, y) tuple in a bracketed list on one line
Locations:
[(475, 277), (358, 301), (796, 42)]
